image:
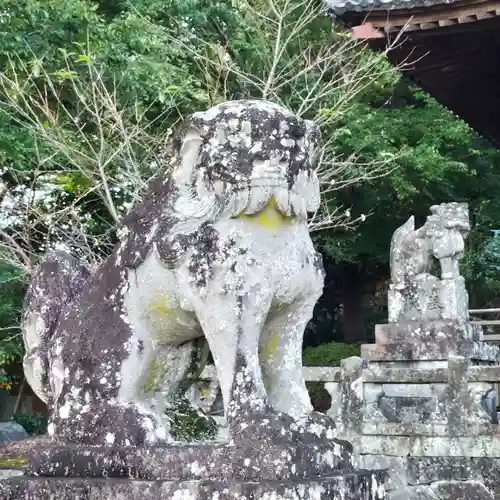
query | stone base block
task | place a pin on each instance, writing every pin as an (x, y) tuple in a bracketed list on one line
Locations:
[(428, 331), (357, 486), (275, 462), (441, 350), (428, 298), (444, 490), (425, 470)]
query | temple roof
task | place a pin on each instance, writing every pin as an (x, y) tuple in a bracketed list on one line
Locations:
[(338, 7), (451, 50)]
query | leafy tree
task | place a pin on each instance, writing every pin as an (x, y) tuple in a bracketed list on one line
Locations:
[(89, 91), (439, 159)]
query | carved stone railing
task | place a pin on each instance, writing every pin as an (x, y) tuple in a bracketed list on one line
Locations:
[(311, 374), (328, 375)]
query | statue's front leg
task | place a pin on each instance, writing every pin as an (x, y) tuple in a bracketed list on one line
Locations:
[(232, 324)]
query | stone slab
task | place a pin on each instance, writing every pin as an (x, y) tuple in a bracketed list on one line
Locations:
[(483, 373), (429, 429), (199, 462), (397, 446), (360, 486), (5, 473), (396, 468), (415, 375), (454, 490), (413, 493), (410, 375), (472, 446), (427, 331), (405, 429), (424, 470), (435, 351), (426, 446)]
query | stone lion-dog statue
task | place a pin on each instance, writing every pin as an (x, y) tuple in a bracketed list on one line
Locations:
[(217, 247)]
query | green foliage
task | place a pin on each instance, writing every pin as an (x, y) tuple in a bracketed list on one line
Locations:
[(329, 354), (34, 423), (189, 424), (438, 159), (12, 289)]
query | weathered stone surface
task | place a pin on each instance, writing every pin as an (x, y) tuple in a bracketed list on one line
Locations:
[(402, 409), (475, 445), (414, 293), (454, 490), (427, 331), (360, 486), (12, 431), (219, 248), (249, 461), (398, 446), (380, 373), (405, 429), (6, 473), (421, 351), (396, 468), (321, 374), (413, 493), (424, 470), (347, 396), (438, 430), (483, 374)]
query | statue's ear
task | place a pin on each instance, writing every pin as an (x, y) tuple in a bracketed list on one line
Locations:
[(189, 151)]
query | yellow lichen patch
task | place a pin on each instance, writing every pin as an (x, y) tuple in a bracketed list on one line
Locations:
[(161, 305), (13, 463), (267, 350), (269, 217), (153, 378)]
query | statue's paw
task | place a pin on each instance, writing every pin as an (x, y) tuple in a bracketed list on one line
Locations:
[(261, 426), (282, 427), (112, 425)]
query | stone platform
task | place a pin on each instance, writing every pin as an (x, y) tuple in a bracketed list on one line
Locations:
[(204, 472), (192, 462), (310, 469), (358, 486)]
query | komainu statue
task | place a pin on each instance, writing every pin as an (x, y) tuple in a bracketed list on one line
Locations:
[(217, 248), (415, 293)]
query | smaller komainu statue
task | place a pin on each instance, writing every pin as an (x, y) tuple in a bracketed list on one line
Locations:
[(416, 293), (218, 248)]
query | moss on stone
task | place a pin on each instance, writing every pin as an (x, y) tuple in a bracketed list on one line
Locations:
[(190, 424), (154, 375), (13, 463)]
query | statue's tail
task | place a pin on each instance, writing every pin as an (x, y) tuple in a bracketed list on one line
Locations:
[(56, 281), (395, 255)]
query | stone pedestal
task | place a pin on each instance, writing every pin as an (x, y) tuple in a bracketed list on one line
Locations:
[(279, 471), (428, 297), (426, 410)]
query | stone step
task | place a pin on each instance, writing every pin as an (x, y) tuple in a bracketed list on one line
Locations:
[(441, 350), (362, 485), (427, 331), (193, 462)]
